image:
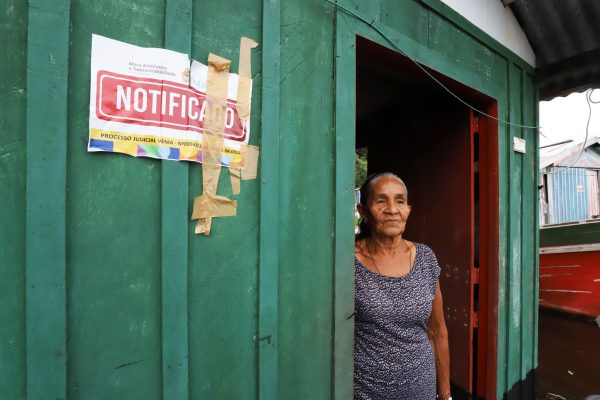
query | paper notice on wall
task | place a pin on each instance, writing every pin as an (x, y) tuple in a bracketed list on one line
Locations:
[(149, 102)]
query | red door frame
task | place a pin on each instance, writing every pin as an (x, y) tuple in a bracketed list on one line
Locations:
[(489, 207)]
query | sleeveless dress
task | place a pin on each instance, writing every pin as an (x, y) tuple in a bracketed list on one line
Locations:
[(393, 358)]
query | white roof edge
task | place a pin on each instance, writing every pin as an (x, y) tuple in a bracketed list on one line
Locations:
[(497, 21)]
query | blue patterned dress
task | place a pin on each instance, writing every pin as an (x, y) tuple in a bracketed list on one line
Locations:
[(393, 358)]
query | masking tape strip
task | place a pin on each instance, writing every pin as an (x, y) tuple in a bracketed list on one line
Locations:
[(249, 154), (215, 113), (209, 204), (245, 79), (251, 168), (243, 102), (235, 175), (211, 171), (203, 226)]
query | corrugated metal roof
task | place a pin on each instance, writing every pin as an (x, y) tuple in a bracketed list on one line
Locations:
[(565, 154), (565, 36)]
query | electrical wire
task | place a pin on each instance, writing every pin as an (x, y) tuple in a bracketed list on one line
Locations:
[(391, 42), (589, 92)]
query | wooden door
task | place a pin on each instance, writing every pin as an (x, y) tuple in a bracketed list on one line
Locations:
[(434, 156)]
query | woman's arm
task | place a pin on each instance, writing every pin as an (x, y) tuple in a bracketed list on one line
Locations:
[(438, 336)]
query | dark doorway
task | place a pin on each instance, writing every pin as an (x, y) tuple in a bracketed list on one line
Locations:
[(447, 155)]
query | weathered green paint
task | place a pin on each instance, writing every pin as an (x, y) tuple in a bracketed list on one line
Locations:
[(345, 70), (536, 273), (175, 229), (306, 202), (261, 307), (460, 22), (515, 238), (565, 235), (46, 238), (223, 266), (528, 227), (114, 230), (268, 299), (13, 41), (504, 148)]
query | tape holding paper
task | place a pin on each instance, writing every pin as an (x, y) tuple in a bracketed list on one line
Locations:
[(209, 204), (251, 168), (243, 101), (235, 174), (250, 156), (245, 78)]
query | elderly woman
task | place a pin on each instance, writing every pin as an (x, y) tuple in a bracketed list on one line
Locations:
[(401, 340)]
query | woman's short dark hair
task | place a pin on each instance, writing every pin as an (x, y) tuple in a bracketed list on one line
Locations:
[(365, 192)]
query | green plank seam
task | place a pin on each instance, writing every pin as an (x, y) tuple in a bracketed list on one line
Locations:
[(524, 267), (45, 266), (425, 56), (503, 173), (504, 147), (343, 337), (528, 226), (513, 305), (269, 205), (536, 272), (174, 228), (503, 254), (474, 31)]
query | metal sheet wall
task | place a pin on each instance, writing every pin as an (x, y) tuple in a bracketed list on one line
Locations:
[(593, 198), (572, 194), (108, 292)]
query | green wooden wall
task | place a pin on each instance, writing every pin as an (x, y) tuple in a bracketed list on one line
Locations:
[(13, 98), (107, 292), (570, 234)]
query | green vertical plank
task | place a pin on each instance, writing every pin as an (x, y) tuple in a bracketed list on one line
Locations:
[(268, 368), (223, 272), (13, 39), (442, 8), (306, 201), (114, 229), (345, 88), (536, 271), (515, 242), (503, 253), (528, 227), (47, 73), (175, 222)]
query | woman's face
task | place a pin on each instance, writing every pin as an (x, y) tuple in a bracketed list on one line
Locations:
[(387, 208)]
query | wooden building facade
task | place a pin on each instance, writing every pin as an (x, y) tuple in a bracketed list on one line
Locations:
[(108, 294)]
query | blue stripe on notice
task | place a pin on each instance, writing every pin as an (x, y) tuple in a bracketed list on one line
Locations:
[(105, 145), (173, 153)]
